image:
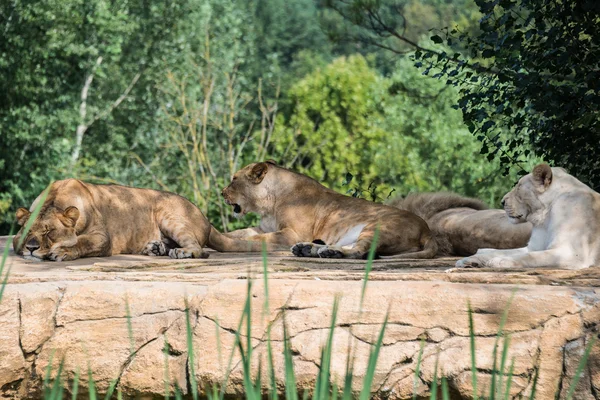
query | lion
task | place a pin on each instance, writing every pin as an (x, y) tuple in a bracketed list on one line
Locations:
[(298, 211), (565, 214), (79, 219), (462, 225)]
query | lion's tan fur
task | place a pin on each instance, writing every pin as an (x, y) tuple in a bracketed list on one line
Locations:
[(297, 210), (462, 225), (80, 219)]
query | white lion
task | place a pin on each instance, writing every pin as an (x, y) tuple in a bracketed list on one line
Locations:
[(565, 214)]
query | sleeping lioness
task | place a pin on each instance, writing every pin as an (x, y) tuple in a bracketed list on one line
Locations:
[(462, 225), (565, 214), (80, 219), (297, 211)]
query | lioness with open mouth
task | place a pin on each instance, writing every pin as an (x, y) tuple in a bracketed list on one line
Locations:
[(565, 214), (319, 222), (80, 219)]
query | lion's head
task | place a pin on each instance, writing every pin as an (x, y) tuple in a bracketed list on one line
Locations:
[(248, 190), (53, 227), (522, 203)]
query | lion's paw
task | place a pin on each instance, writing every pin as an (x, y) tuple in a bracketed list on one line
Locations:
[(62, 254), (469, 262), (330, 252), (306, 249), (183, 252), (501, 262), (155, 248)]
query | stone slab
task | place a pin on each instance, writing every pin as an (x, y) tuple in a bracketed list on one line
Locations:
[(124, 318)]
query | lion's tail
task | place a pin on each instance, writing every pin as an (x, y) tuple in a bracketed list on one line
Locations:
[(219, 242), (430, 249)]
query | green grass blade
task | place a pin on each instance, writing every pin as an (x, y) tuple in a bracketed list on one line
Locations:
[(167, 377), (498, 394), (445, 390), (369, 266), (265, 278), (56, 390), (34, 215), (177, 393), (111, 389), (334, 391), (509, 379), (418, 369), (129, 326), (248, 314), (75, 387), (349, 374), (322, 386), (580, 367), (190, 349), (534, 385), (230, 361), (291, 391), (434, 384), (24, 233), (365, 393), (47, 376), (91, 385), (271, 368), (3, 263), (495, 375), (472, 342), (219, 345)]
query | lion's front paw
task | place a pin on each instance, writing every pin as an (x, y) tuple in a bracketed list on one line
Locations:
[(469, 262), (330, 252), (501, 262), (63, 254), (306, 249), (155, 248), (183, 252)]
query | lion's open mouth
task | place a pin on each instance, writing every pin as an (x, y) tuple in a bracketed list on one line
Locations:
[(237, 208)]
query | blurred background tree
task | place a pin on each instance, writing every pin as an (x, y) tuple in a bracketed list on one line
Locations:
[(527, 73), (179, 95)]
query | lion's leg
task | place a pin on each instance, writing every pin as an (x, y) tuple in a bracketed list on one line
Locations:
[(188, 245), (184, 229), (359, 249), (557, 258), (244, 233), (286, 237), (483, 256), (88, 245)]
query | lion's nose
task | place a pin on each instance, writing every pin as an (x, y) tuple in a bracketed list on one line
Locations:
[(223, 192), (32, 245)]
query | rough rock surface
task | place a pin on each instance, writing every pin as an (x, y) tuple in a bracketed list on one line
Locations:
[(77, 313)]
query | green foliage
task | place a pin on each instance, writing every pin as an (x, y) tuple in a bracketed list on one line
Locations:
[(399, 133), (531, 70), (334, 122), (177, 96)]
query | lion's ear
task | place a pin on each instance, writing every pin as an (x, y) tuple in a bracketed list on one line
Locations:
[(272, 162), (542, 175), (258, 172), (70, 216), (22, 215)]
